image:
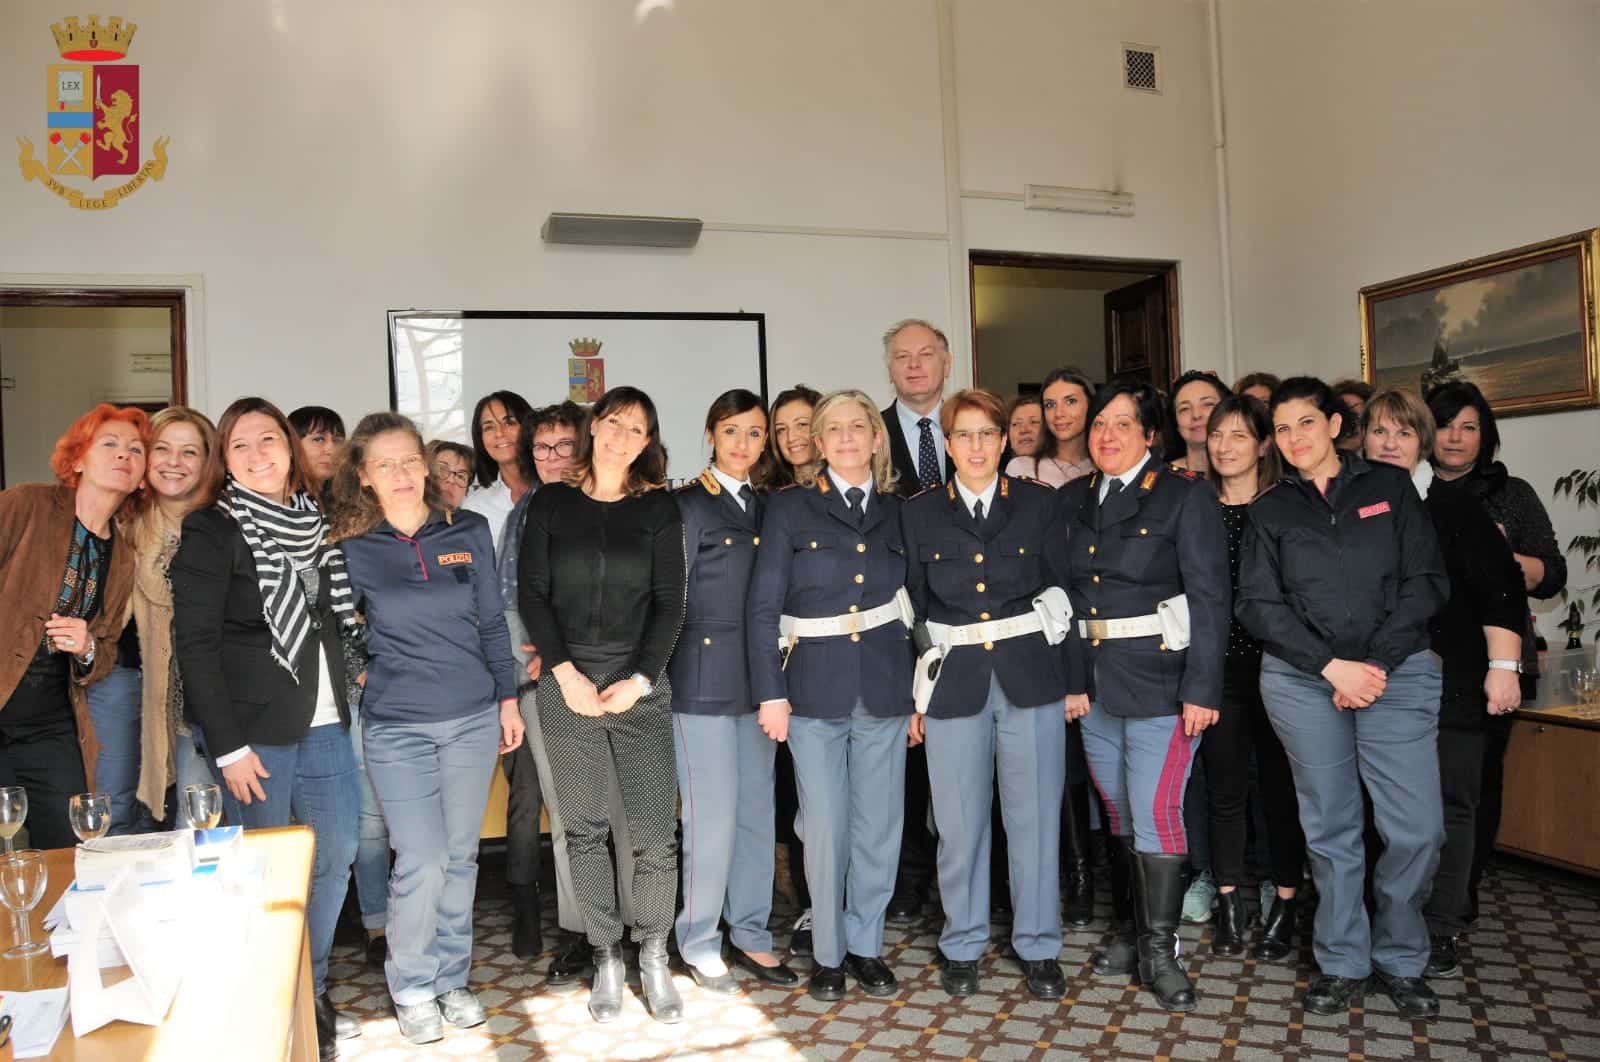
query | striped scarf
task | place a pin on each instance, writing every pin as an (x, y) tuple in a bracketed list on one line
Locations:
[(287, 542)]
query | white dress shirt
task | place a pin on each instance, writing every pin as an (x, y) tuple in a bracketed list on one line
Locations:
[(986, 495), (731, 485), (908, 425), (843, 485), (1126, 478)]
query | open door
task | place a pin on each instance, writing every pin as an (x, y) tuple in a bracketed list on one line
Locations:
[(1139, 334)]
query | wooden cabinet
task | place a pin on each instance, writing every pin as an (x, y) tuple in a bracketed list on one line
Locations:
[(1552, 790)]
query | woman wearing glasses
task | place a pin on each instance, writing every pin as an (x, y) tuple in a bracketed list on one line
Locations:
[(440, 700), (451, 465)]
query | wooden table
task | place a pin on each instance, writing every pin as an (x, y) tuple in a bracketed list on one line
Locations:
[(243, 1008), (1552, 789)]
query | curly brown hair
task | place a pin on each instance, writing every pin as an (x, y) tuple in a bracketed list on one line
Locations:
[(352, 508)]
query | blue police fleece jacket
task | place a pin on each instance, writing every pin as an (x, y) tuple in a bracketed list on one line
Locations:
[(436, 625)]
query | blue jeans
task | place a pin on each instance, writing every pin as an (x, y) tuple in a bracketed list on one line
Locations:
[(316, 782), (116, 705), (433, 779), (372, 846)]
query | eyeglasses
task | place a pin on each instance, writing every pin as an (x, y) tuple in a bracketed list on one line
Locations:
[(564, 448), (459, 476), (389, 468), (981, 437)]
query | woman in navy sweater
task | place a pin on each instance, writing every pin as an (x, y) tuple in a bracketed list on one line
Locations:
[(440, 700)]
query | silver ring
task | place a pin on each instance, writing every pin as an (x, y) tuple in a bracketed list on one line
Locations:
[(70, 643)]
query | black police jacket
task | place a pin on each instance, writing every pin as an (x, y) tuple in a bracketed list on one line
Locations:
[(961, 573), (1355, 575), (709, 669), (813, 561), (1160, 536)]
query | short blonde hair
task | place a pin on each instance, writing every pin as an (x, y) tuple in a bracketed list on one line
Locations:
[(1405, 408), (883, 473)]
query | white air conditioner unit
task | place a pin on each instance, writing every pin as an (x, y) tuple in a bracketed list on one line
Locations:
[(1077, 200)]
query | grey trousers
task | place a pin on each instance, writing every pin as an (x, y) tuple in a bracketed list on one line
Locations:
[(1393, 747), (1026, 749)]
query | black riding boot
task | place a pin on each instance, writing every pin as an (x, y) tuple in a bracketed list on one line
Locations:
[(1158, 899), (1078, 909), (1121, 954)]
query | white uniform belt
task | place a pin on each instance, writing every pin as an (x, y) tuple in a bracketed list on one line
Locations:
[(1130, 627), (987, 631), (793, 628)]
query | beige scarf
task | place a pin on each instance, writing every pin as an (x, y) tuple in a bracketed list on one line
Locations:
[(155, 540)]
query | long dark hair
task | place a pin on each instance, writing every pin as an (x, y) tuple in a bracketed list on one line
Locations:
[(517, 407), (1049, 445), (732, 404), (1176, 446), (353, 508), (214, 474), (1253, 412), (780, 472), (649, 469), (1446, 403)]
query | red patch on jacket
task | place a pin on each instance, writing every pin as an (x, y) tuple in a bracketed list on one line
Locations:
[(1372, 510), (447, 559)]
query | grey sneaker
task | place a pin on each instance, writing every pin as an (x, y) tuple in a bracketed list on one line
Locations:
[(1266, 892), (419, 1022), (461, 1008), (1197, 901)]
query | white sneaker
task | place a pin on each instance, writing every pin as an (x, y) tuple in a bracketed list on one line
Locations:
[(1197, 901)]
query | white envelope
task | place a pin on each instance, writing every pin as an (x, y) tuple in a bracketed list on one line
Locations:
[(148, 945)]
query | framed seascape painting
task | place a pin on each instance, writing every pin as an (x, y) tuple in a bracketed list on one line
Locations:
[(1520, 325)]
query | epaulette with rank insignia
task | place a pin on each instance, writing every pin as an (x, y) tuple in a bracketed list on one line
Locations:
[(1187, 473), (710, 482)]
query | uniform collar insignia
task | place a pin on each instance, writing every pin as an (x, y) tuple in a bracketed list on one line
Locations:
[(951, 487), (710, 482), (1005, 487), (1148, 481), (822, 482)]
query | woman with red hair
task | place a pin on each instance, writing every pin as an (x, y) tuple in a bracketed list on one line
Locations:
[(66, 584)]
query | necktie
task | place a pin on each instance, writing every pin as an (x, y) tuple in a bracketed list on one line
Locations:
[(928, 472), (748, 498), (855, 498), (977, 513), (1112, 490)]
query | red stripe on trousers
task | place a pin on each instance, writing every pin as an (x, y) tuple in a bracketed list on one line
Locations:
[(1173, 772)]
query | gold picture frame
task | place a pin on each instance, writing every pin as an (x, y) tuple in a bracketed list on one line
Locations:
[(1520, 324)]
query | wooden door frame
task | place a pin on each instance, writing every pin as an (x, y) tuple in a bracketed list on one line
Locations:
[(1168, 270), (172, 299)]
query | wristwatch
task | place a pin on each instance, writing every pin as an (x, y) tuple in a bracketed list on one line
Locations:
[(646, 687), (1506, 665)]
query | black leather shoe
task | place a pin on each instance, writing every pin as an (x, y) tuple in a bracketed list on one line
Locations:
[(1276, 942), (779, 975), (905, 908), (958, 979), (332, 1026), (1443, 960), (527, 936), (826, 984), (872, 974), (723, 984), (1044, 978), (1334, 995), (1227, 934), (1412, 996), (571, 965), (377, 950)]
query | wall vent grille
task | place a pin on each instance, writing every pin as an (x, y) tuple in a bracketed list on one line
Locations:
[(1141, 67)]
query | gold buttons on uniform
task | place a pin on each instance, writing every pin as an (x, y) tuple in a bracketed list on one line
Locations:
[(1021, 550), (980, 588), (935, 556), (988, 647), (855, 608), (1091, 549), (727, 542), (1094, 612), (1144, 530), (1163, 647), (708, 641), (861, 547), (756, 541), (978, 559), (983, 615), (860, 578), (1094, 642), (855, 637), (813, 545), (1096, 578)]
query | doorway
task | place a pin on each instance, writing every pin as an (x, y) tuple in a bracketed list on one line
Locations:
[(1109, 318), (62, 352)]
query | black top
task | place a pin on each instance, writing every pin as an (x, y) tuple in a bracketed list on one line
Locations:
[(1486, 590), (1515, 505), (1243, 650), (601, 584), (1355, 575), (710, 670)]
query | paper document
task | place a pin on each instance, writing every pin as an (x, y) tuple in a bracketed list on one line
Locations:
[(36, 1020)]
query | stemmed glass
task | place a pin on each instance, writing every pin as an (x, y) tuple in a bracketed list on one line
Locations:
[(13, 812), (90, 815), (23, 876), (202, 805)]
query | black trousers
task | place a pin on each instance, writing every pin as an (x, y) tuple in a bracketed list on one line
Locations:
[(47, 762), (1491, 796), (918, 848), (524, 802), (788, 806), (1461, 756), (1242, 728)]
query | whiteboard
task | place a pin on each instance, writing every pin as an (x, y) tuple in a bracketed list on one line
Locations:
[(442, 361)]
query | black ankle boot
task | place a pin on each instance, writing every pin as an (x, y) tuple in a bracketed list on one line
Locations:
[(1158, 904), (1121, 954), (527, 935), (1078, 878), (1227, 934), (1277, 933)]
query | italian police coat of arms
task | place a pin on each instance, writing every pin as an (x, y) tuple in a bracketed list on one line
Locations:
[(93, 119)]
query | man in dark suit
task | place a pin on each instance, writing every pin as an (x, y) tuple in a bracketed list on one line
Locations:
[(918, 357)]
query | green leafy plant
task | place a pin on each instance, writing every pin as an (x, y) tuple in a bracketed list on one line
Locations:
[(1584, 486)]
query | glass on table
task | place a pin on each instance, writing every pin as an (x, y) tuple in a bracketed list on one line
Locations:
[(23, 876), (202, 805), (13, 812), (90, 815)]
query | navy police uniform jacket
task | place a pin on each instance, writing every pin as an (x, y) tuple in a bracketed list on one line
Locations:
[(709, 670), (962, 573), (1160, 536), (813, 561)]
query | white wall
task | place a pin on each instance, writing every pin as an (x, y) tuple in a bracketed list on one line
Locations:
[(333, 161), (1372, 140)]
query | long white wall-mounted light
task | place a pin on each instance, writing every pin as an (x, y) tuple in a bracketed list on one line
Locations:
[(621, 230), (1077, 200)]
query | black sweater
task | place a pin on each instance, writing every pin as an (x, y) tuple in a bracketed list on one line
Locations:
[(601, 584)]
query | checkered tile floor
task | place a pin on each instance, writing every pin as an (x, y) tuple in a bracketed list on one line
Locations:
[(1530, 988)]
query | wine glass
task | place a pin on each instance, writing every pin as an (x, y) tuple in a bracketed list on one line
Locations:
[(13, 812), (202, 805), (90, 814), (23, 876)]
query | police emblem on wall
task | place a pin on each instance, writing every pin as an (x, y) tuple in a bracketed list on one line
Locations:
[(586, 373), (92, 121)]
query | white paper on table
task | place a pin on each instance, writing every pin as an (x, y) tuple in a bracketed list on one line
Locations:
[(36, 1020), (147, 995)]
